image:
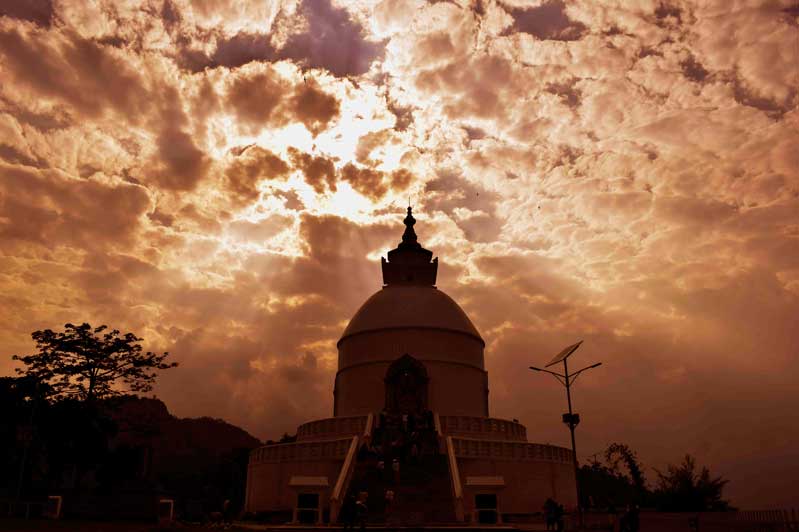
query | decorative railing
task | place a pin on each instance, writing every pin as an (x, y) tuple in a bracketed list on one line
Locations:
[(508, 450), (343, 480), (301, 451), (368, 427), (334, 427), (455, 478), (483, 427)]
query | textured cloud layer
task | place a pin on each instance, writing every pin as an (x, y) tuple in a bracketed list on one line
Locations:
[(221, 178)]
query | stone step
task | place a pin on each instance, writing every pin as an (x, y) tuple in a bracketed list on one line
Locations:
[(423, 494)]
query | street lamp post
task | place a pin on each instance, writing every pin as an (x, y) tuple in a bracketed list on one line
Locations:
[(571, 419)]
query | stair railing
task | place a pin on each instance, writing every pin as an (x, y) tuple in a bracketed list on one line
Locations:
[(454, 474), (343, 480), (367, 431)]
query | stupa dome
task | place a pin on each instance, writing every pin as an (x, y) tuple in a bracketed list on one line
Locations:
[(410, 307)]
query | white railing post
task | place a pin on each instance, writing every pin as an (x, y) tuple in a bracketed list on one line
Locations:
[(367, 431), (342, 483), (457, 489)]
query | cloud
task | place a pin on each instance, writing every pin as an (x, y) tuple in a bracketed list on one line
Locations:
[(547, 21), (241, 49), (314, 107), (37, 11), (45, 209), (332, 41), (257, 99), (261, 98), (251, 166), (319, 172), (89, 77)]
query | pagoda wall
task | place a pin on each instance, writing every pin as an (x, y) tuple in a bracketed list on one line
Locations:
[(453, 389), (271, 467), (332, 428), (479, 427), (531, 473), (421, 343)]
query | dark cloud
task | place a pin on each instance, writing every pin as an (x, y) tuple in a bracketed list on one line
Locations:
[(667, 14), (12, 155), (314, 107), (241, 49), (161, 218), (375, 183), (264, 99), (185, 164), (369, 142), (46, 122), (256, 99), (329, 40), (319, 171), (77, 71), (693, 70), (252, 165), (333, 41), (475, 133), (403, 114), (548, 21), (48, 210), (365, 180), (568, 91), (434, 48), (291, 200), (37, 11), (744, 95), (170, 14)]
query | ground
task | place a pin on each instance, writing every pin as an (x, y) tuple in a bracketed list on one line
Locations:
[(41, 525)]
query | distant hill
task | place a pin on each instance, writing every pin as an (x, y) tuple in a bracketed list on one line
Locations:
[(203, 459), (145, 420)]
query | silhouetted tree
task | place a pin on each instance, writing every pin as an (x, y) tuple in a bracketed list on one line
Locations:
[(87, 362), (288, 438), (682, 489), (619, 452), (608, 485)]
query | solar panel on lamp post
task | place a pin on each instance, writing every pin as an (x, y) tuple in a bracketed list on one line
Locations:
[(570, 418)]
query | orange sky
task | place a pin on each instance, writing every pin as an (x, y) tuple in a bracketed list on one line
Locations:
[(221, 178)]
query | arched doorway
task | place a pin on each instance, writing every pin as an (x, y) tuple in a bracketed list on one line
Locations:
[(406, 386)]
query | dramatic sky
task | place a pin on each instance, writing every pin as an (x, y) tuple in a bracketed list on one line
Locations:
[(221, 178)]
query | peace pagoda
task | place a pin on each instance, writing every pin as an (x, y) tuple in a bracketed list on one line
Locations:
[(411, 434)]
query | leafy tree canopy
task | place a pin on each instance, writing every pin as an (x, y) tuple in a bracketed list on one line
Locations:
[(619, 452), (683, 489), (609, 485), (91, 362)]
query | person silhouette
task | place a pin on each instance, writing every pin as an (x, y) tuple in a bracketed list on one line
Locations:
[(361, 512), (347, 515), (559, 513), (550, 509)]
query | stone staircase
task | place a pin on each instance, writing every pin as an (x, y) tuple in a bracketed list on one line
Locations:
[(423, 495)]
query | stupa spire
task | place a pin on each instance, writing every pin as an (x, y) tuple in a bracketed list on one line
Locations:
[(409, 262), (409, 238)]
